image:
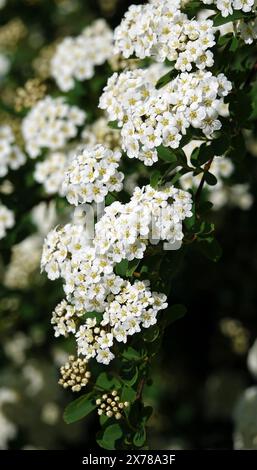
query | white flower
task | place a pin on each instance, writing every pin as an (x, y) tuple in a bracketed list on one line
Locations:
[(161, 30), (104, 356), (6, 220), (252, 359), (227, 6), (11, 156), (4, 65), (149, 117), (76, 58), (91, 174)]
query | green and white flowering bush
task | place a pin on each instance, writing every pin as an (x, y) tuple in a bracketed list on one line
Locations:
[(180, 110)]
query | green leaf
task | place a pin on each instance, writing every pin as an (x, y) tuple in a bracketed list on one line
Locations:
[(210, 248), (122, 267), (210, 179), (206, 152), (177, 176), (155, 178), (165, 79), (79, 408), (147, 413), (174, 313), (107, 382), (234, 44), (131, 354), (140, 437), (219, 20), (128, 394), (204, 207), (97, 315), (237, 149), (151, 334), (113, 124), (110, 198), (220, 145), (108, 436), (132, 266), (167, 154), (240, 107), (195, 156), (130, 376), (103, 419), (224, 40)]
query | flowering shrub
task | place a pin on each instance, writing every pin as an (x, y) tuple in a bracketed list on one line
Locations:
[(147, 165)]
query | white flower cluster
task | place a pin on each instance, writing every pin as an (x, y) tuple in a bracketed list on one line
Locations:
[(248, 30), (161, 30), (4, 65), (76, 58), (227, 7), (245, 417), (252, 359), (87, 267), (63, 319), (88, 277), (51, 172), (237, 195), (11, 155), (25, 260), (100, 133), (134, 307), (6, 220), (151, 215), (8, 430), (92, 174), (50, 124), (150, 117)]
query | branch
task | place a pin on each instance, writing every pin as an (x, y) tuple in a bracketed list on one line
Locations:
[(140, 389), (207, 166)]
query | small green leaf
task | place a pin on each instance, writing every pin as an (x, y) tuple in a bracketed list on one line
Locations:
[(147, 413), (131, 354), (140, 437), (206, 152), (174, 313), (130, 376), (210, 248), (167, 154), (165, 79), (132, 266), (103, 419), (219, 20), (155, 178), (234, 44), (97, 315), (122, 267), (113, 124), (220, 145), (79, 408), (108, 436), (128, 394), (151, 334), (210, 179)]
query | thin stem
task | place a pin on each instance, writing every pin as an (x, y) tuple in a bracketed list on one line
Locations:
[(140, 389), (200, 187)]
